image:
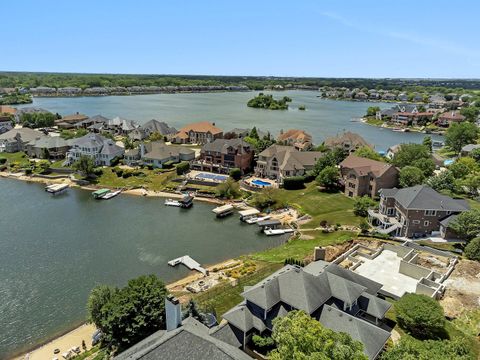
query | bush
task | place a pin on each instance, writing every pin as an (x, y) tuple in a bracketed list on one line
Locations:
[(420, 315), (228, 190), (328, 177), (118, 171), (262, 342), (235, 174), (3, 161), (362, 204), (293, 183), (183, 167), (472, 250)]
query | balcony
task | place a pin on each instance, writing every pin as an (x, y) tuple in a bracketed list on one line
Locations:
[(383, 223)]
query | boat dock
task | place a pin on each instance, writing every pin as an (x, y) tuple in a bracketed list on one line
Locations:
[(248, 213), (224, 210), (189, 263), (272, 224), (56, 188)]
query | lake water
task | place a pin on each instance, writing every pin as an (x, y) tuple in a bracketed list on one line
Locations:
[(228, 110), (53, 250)]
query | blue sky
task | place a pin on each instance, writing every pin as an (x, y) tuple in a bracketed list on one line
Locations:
[(422, 38)]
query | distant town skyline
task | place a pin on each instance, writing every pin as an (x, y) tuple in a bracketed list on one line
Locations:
[(374, 39)]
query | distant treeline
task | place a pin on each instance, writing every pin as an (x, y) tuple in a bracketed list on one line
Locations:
[(83, 81)]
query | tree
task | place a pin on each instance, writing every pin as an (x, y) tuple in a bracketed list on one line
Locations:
[(426, 165), (128, 143), (364, 226), (475, 154), (98, 298), (420, 315), (328, 177), (372, 110), (330, 158), (265, 199), (443, 181), (472, 250), (362, 204), (427, 142), (467, 224), (254, 133), (408, 153), (463, 166), (134, 312), (413, 349), (461, 134), (298, 336), (411, 176), (470, 113), (155, 136), (293, 183), (85, 165), (228, 189), (182, 167), (368, 153), (471, 183), (235, 174)]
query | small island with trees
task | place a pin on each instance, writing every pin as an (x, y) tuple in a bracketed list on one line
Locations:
[(263, 101)]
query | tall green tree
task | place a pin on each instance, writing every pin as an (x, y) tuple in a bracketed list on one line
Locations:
[(459, 135), (408, 153), (368, 153), (329, 177), (362, 204), (412, 349), (420, 315), (467, 224), (470, 112), (298, 336), (411, 176), (84, 165), (99, 297), (427, 142), (134, 312)]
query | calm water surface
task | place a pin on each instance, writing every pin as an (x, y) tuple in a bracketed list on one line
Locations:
[(53, 250), (229, 110)]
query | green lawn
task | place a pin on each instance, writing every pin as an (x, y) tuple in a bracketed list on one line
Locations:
[(19, 157), (332, 207), (151, 180), (222, 298), (299, 249), (374, 121)]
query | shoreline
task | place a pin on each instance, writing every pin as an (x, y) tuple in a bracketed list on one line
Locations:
[(73, 335), (135, 192), (409, 129)]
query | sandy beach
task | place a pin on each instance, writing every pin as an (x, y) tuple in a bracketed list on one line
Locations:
[(63, 343)]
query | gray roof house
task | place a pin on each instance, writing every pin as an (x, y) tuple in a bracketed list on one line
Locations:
[(339, 298), (150, 127), (99, 148), (467, 149), (17, 139), (54, 147), (416, 211), (187, 339), (157, 153), (97, 120)]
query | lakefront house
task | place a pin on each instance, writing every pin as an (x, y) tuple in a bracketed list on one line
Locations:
[(157, 154), (97, 147), (198, 133), (363, 176), (299, 139), (347, 141), (221, 155), (279, 161), (416, 211)]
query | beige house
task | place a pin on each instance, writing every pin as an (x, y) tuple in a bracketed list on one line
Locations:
[(367, 177), (278, 162), (348, 141), (299, 139), (198, 133)]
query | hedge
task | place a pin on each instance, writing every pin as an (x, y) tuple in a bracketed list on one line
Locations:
[(293, 183)]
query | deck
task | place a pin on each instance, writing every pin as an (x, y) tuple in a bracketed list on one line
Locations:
[(189, 263)]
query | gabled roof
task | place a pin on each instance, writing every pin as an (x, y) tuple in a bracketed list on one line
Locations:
[(202, 126), (470, 147), (192, 340), (160, 127), (49, 142), (363, 166), (347, 137), (295, 134), (158, 150), (222, 145), (373, 305), (344, 289), (372, 337), (425, 198), (26, 134), (290, 158)]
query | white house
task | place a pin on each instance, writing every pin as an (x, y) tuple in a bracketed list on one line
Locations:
[(99, 148)]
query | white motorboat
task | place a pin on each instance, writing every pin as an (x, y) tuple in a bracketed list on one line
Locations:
[(111, 194), (254, 220), (171, 202)]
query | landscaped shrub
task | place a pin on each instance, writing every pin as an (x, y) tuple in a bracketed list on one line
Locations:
[(3, 161), (472, 250), (115, 161), (420, 315), (293, 183), (362, 204), (98, 171), (118, 171), (235, 174), (323, 223), (183, 167)]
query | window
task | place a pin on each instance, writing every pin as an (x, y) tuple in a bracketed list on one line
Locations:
[(430, 212), (416, 222), (351, 185), (426, 223)]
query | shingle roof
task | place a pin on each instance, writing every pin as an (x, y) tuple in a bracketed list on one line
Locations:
[(49, 142), (157, 150), (373, 305), (190, 341), (160, 127), (290, 158), (347, 137), (222, 145), (372, 337), (202, 126), (470, 147), (26, 134), (363, 166), (296, 134), (423, 197)]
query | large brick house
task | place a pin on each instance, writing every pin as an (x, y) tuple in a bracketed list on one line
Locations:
[(448, 118), (299, 139), (221, 155), (415, 212), (366, 177), (198, 133), (348, 141)]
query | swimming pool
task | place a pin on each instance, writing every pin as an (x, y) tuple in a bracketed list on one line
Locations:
[(261, 183), (216, 177)]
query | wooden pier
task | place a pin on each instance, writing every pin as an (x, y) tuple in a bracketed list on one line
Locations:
[(189, 263)]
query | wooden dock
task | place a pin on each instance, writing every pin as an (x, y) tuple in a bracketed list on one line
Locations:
[(189, 263)]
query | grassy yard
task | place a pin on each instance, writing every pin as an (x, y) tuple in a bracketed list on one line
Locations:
[(332, 207), (223, 297), (374, 121), (19, 157), (299, 249), (150, 179)]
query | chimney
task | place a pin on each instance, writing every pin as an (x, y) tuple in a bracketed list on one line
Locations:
[(173, 313), (142, 150), (318, 253)]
